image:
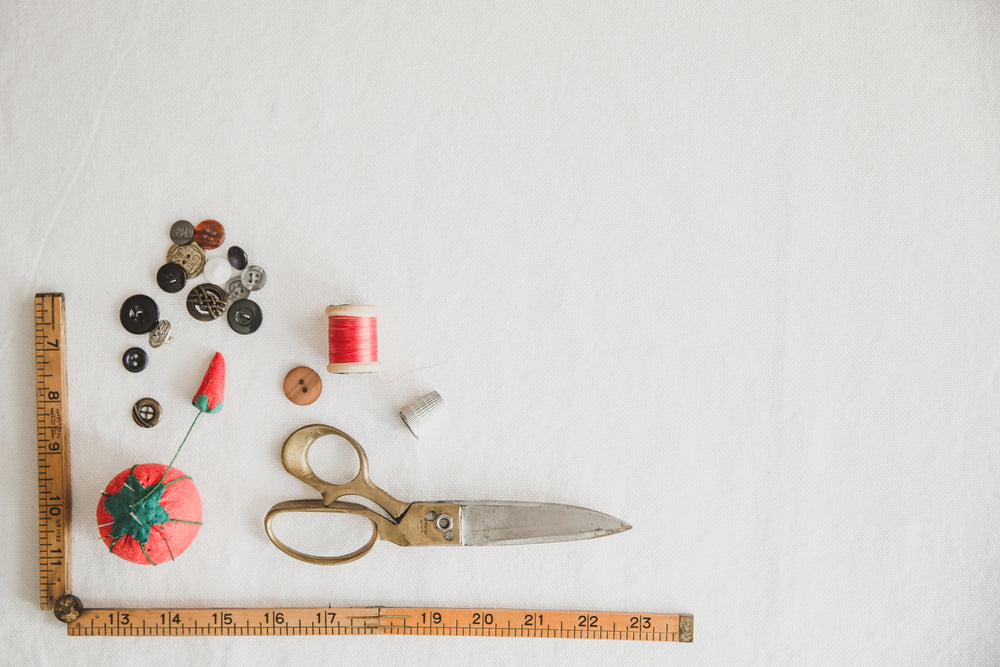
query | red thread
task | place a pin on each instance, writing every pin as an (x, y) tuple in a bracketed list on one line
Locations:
[(353, 339)]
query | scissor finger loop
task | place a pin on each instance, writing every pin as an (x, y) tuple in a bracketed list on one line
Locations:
[(294, 456)]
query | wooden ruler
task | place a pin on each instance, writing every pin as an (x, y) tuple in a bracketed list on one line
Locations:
[(54, 547), (53, 448), (383, 621)]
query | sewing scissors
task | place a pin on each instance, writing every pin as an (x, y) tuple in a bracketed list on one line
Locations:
[(444, 523)]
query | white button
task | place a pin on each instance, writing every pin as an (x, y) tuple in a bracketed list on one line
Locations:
[(217, 270)]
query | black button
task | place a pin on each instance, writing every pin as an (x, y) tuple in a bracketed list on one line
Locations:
[(237, 258), (134, 359), (139, 314), (244, 316), (171, 277)]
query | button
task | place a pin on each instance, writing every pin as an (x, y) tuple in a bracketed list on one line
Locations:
[(160, 334), (217, 270), (236, 289), (209, 234), (237, 258), (244, 316), (134, 359), (303, 385), (191, 258), (206, 302), (182, 232), (146, 412), (139, 314), (171, 277), (254, 278)]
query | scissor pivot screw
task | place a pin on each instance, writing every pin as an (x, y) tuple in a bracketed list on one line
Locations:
[(444, 523), (450, 535), (431, 515)]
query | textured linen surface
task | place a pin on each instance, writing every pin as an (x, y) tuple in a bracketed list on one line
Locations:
[(727, 271)]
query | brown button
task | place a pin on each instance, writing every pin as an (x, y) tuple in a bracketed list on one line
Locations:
[(209, 234), (302, 385), (146, 412)]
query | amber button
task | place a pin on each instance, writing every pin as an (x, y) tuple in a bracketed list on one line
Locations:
[(209, 234), (303, 385)]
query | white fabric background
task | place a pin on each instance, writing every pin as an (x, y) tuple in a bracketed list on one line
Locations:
[(725, 270)]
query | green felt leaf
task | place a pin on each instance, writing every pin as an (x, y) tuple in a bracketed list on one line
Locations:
[(134, 513), (201, 402)]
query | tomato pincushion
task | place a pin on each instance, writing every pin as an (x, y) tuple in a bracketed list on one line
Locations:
[(147, 517)]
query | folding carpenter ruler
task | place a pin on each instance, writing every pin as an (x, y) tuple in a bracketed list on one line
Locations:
[(54, 587), (53, 448)]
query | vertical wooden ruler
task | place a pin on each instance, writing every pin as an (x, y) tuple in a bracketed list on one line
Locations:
[(53, 448), (54, 568)]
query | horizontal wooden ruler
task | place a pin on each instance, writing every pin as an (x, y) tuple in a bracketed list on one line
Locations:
[(53, 448), (383, 621)]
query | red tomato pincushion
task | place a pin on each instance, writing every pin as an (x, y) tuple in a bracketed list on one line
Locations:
[(147, 517)]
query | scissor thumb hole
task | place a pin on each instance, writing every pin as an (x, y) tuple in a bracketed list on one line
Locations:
[(333, 459), (322, 534)]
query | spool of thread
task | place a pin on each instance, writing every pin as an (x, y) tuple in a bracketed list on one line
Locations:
[(353, 336), (423, 414)]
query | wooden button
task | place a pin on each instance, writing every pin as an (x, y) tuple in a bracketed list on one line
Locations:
[(302, 385)]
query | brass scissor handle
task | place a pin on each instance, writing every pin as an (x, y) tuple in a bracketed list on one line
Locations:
[(318, 506), (294, 456), (408, 524)]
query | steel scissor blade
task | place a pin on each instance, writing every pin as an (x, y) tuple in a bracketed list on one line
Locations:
[(494, 522)]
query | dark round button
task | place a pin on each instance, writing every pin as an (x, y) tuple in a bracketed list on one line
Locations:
[(237, 258), (244, 316), (139, 314), (206, 302), (146, 412), (209, 234), (134, 359), (182, 232), (67, 608), (171, 277)]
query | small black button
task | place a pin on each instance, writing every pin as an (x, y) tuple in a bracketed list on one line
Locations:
[(171, 277), (244, 316), (237, 258), (139, 314), (134, 359)]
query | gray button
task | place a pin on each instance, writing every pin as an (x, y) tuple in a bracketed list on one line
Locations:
[(182, 232), (236, 289), (254, 278), (160, 334)]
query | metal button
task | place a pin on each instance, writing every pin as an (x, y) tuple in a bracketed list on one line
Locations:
[(146, 412), (209, 234), (182, 232), (254, 278), (139, 314), (206, 302), (171, 277), (217, 270), (160, 334), (237, 258), (244, 316), (191, 258), (302, 385), (134, 359), (236, 289)]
